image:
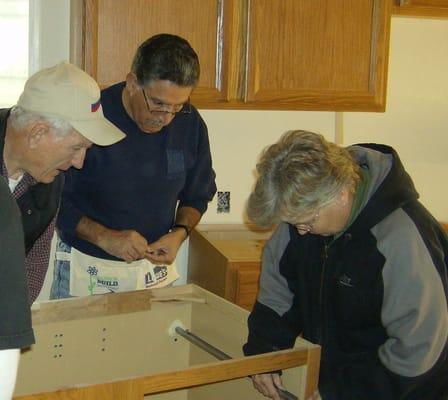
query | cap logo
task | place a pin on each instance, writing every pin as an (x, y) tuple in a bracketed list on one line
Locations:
[(94, 107)]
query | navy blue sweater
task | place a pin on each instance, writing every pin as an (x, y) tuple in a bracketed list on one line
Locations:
[(137, 182)]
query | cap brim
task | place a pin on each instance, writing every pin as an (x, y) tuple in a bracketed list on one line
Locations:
[(99, 131)]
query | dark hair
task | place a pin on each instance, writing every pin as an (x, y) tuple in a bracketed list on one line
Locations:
[(166, 57)]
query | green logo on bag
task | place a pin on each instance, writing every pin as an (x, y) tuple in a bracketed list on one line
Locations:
[(92, 271)]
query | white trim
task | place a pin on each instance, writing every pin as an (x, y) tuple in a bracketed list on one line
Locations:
[(49, 33), (34, 58)]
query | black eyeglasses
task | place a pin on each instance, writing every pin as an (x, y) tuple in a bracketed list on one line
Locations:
[(161, 108)]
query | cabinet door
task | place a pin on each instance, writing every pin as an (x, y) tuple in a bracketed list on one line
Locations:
[(115, 28), (319, 54), (421, 8), (247, 276)]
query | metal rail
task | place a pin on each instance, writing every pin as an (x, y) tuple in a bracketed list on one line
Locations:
[(215, 352)]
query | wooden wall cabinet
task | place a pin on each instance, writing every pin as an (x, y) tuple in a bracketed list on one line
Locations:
[(226, 260), (421, 8), (254, 54)]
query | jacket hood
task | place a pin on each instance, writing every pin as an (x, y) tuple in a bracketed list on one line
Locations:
[(390, 185)]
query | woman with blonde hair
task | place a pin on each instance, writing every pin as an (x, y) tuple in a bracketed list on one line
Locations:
[(356, 265)]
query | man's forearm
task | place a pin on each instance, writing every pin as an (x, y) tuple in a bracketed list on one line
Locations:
[(91, 231), (188, 216), (128, 244)]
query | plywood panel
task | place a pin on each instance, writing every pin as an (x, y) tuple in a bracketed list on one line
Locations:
[(206, 266), (126, 355), (103, 349), (230, 338)]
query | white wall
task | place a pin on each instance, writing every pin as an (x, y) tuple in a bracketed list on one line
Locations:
[(416, 118), (238, 137), (415, 123)]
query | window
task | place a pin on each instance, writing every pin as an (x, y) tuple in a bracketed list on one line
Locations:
[(14, 15)]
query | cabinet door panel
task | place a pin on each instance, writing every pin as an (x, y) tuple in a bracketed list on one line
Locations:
[(115, 28), (319, 54)]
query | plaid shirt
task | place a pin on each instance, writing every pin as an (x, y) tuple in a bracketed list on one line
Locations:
[(36, 261)]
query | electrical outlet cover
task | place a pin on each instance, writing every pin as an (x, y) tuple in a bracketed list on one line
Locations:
[(223, 202)]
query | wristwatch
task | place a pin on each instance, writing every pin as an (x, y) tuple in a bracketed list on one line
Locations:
[(187, 229)]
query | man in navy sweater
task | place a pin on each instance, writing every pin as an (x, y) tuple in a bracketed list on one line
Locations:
[(135, 203)]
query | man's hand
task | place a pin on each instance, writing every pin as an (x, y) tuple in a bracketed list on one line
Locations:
[(164, 250), (128, 245)]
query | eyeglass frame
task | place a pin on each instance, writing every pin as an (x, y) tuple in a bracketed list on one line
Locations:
[(307, 226), (165, 112)]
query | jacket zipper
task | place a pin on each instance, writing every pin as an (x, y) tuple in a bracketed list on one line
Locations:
[(320, 335)]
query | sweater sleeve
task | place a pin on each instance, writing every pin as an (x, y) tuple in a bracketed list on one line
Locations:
[(200, 186), (69, 215)]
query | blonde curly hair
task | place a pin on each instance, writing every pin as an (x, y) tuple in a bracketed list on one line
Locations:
[(298, 175)]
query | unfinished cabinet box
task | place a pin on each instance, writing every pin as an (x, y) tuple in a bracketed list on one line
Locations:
[(125, 346), (226, 260)]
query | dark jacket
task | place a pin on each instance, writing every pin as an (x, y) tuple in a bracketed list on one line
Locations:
[(39, 204), (15, 314), (374, 298)]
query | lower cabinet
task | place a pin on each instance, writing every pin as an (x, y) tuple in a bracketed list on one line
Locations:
[(226, 260)]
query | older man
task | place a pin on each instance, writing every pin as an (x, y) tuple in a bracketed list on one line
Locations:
[(57, 118)]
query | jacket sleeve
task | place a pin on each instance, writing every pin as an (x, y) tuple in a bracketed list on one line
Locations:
[(69, 215), (274, 322), (414, 314), (15, 313)]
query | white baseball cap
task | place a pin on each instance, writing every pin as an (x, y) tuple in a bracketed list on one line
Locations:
[(68, 92)]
